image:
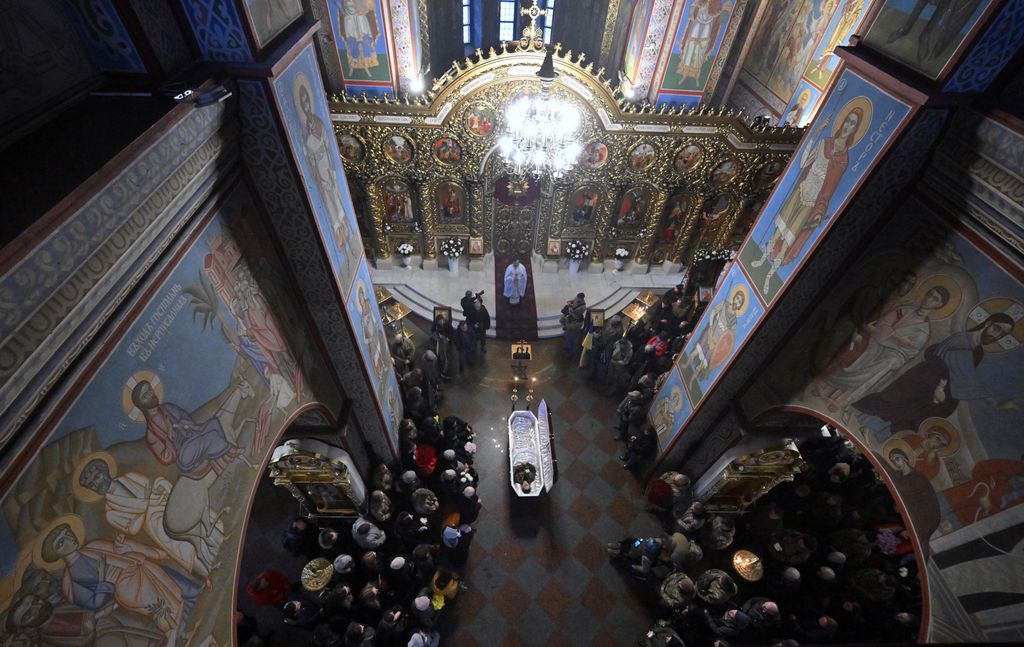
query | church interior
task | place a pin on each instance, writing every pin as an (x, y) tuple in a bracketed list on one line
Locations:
[(511, 322)]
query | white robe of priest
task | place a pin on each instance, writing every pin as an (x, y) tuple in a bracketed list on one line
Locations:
[(515, 283)]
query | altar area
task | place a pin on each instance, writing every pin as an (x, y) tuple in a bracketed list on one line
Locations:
[(424, 289)]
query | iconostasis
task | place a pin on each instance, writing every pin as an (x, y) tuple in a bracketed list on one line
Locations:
[(660, 184)]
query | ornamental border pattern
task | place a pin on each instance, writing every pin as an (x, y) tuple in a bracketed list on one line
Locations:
[(264, 156), (33, 279), (121, 262)]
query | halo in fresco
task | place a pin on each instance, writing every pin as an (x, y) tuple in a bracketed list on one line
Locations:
[(144, 375), (77, 528), (82, 493)]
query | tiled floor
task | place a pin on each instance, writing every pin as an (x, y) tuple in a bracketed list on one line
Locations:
[(537, 573)]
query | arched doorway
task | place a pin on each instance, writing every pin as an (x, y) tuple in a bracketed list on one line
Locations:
[(512, 207), (910, 492)]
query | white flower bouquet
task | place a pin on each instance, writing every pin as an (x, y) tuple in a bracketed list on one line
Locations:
[(576, 250), (452, 247)]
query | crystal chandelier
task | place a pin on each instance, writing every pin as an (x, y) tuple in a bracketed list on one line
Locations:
[(542, 131)]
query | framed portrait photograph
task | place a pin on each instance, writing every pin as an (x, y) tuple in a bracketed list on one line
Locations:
[(443, 310), (554, 247), (521, 351), (597, 317), (476, 246)]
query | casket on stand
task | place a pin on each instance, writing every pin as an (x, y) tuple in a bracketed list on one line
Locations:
[(531, 460)]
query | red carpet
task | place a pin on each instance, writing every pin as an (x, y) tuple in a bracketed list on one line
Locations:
[(514, 322)]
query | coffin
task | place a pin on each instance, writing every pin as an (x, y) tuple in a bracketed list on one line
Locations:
[(529, 442)]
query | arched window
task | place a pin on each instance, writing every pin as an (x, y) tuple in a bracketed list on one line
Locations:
[(467, 22), (548, 20)]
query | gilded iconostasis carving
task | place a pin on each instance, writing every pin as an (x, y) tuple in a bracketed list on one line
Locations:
[(661, 184)]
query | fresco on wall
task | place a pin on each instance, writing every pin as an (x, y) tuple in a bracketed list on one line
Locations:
[(635, 41), (800, 110), (670, 408), (796, 39), (124, 528), (301, 98), (361, 42), (269, 17), (373, 344), (923, 34), (918, 356), (722, 329), (702, 27), (852, 129), (823, 62)]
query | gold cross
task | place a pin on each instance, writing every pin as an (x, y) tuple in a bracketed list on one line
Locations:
[(532, 31)]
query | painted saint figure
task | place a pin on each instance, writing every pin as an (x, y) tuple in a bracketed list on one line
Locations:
[(176, 438), (359, 29), (716, 341), (702, 28), (935, 386), (125, 573), (894, 338), (451, 204), (515, 282), (373, 335), (321, 158), (823, 165), (134, 503)]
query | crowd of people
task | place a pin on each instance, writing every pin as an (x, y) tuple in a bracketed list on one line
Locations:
[(396, 567), (634, 361), (835, 563)]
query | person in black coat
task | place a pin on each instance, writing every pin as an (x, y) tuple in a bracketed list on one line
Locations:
[(480, 321)]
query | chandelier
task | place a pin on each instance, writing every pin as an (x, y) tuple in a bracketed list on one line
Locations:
[(542, 131)]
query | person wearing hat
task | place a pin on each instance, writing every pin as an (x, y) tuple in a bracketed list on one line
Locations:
[(468, 504), (343, 564), (422, 611), (627, 411)]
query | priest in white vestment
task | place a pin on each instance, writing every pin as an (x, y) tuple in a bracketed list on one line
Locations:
[(515, 282)]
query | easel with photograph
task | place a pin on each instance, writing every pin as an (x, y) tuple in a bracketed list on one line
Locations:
[(521, 353)]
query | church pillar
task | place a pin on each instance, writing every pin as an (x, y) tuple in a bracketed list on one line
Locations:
[(290, 151)]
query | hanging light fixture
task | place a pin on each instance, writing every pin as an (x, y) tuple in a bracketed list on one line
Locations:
[(542, 130)]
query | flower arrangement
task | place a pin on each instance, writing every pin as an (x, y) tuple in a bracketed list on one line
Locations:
[(387, 227), (621, 253), (452, 247), (705, 254), (404, 249), (576, 250)]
